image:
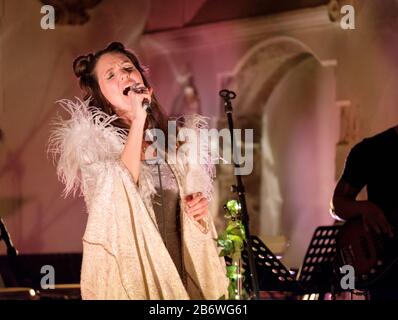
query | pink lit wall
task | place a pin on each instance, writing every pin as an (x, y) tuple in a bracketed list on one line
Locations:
[(36, 71)]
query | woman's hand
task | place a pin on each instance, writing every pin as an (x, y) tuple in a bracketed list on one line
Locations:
[(137, 114), (197, 206)]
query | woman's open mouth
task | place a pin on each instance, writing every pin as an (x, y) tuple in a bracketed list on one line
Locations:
[(136, 87)]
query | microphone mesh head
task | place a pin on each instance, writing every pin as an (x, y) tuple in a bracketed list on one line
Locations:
[(146, 105)]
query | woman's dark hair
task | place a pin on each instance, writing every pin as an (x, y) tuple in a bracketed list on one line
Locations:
[(84, 68)]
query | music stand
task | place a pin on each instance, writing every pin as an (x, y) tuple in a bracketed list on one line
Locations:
[(272, 274), (8, 270), (5, 236), (318, 273)]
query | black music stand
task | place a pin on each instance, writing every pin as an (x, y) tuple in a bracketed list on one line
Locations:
[(318, 272), (316, 275), (5, 236), (7, 270), (272, 274)]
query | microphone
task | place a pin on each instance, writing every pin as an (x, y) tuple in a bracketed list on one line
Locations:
[(139, 88), (146, 105)]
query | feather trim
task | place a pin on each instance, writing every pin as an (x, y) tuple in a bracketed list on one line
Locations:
[(88, 137), (200, 169), (85, 138)]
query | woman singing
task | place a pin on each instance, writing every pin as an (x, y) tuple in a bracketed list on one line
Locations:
[(147, 235)]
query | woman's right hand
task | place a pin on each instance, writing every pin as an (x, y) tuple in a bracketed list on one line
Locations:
[(137, 113)]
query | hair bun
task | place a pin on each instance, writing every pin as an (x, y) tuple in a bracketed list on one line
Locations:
[(115, 46), (82, 65)]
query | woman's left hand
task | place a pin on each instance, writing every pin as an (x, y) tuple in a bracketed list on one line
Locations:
[(197, 206)]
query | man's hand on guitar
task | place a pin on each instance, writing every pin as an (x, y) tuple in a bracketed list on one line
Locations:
[(374, 219)]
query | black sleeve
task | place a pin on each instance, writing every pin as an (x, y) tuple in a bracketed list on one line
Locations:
[(356, 168)]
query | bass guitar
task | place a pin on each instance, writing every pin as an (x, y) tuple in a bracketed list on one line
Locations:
[(371, 255)]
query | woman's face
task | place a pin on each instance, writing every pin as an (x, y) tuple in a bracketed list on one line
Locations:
[(115, 72)]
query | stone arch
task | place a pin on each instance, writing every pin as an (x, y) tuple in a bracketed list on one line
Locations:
[(255, 79), (278, 55)]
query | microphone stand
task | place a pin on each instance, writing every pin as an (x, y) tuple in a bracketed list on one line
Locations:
[(228, 95)]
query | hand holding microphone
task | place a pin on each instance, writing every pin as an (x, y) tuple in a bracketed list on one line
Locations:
[(139, 96), (139, 89)]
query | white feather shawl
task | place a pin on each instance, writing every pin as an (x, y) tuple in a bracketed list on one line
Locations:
[(124, 256), (88, 137)]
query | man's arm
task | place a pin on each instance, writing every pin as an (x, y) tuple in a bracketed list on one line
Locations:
[(345, 206)]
